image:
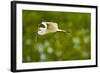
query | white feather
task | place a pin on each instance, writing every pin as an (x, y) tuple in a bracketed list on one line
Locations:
[(50, 27)]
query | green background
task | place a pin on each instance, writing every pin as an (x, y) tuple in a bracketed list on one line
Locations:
[(58, 46)]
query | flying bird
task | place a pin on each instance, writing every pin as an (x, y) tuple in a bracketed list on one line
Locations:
[(49, 27)]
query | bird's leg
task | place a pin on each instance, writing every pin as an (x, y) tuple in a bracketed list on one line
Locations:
[(61, 30)]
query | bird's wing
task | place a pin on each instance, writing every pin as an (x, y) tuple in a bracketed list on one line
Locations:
[(52, 26), (45, 25)]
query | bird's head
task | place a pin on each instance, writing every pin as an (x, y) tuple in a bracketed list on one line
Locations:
[(42, 31)]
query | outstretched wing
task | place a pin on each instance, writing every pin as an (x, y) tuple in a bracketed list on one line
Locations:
[(52, 26)]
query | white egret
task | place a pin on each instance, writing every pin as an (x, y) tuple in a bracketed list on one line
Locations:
[(49, 27)]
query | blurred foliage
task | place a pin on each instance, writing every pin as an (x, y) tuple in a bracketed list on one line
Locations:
[(58, 46)]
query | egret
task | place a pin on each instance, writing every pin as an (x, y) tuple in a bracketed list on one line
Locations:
[(49, 27)]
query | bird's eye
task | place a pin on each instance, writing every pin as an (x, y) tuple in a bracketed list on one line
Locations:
[(41, 25)]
